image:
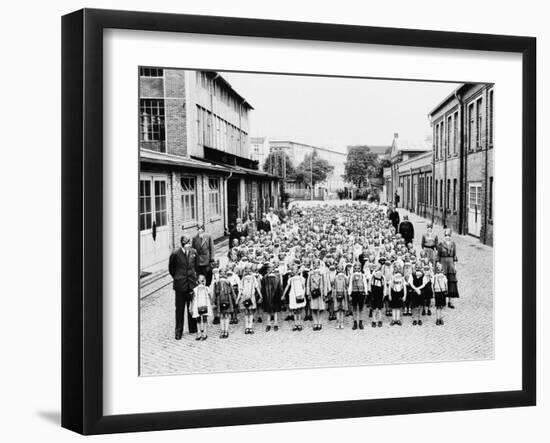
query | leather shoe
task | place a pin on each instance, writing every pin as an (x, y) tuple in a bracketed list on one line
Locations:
[(178, 335)]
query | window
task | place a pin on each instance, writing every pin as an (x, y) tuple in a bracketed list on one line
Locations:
[(436, 193), (145, 216), (214, 196), (455, 133), (160, 202), (449, 127), (151, 113), (188, 198), (491, 122), (441, 140), (441, 194), (471, 121), (431, 190), (151, 72), (479, 113), (152, 203), (448, 201), (435, 141), (490, 197), (454, 194)]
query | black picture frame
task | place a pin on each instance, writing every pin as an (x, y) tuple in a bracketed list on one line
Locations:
[(82, 230)]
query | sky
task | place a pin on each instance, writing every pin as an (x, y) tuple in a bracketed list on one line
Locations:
[(337, 112)]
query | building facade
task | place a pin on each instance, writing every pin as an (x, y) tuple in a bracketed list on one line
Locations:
[(196, 166), (451, 182), (402, 151), (297, 152), (463, 142), (259, 150)]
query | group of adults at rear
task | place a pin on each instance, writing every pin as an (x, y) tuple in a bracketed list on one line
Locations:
[(196, 256), (440, 251)]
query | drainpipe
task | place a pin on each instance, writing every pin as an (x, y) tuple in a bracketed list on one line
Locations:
[(485, 206), (433, 172), (462, 168), (445, 148)]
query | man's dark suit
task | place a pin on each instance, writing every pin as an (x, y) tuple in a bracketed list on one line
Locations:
[(183, 269), (235, 233), (205, 255)]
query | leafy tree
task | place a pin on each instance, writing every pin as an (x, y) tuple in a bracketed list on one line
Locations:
[(313, 167), (361, 164), (276, 162)]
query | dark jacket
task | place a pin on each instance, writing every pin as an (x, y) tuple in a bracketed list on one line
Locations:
[(235, 234), (406, 229), (183, 269), (205, 249), (394, 218), (264, 226)]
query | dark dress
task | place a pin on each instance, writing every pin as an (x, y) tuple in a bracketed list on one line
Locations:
[(377, 292), (396, 301), (220, 287), (416, 300), (447, 257), (272, 292)]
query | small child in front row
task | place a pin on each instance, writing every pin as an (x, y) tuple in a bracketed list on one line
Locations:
[(223, 297), (296, 288), (202, 307), (235, 284), (440, 293), (377, 284), (250, 290), (340, 299)]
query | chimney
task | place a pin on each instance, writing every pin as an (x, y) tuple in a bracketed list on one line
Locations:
[(395, 135)]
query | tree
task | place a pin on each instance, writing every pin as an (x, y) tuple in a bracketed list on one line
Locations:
[(278, 161), (313, 167), (361, 164)]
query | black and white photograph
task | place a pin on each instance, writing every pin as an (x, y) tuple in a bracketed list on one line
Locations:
[(304, 221)]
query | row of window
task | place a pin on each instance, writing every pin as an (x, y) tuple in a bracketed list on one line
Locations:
[(426, 194), (217, 133), (152, 200), (208, 81), (446, 132), (446, 136), (151, 72)]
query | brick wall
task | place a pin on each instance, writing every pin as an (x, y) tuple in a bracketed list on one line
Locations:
[(175, 110)]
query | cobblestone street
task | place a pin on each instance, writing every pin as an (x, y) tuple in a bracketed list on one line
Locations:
[(466, 335)]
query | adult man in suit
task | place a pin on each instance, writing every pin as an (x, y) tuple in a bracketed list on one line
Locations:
[(237, 232), (204, 245), (393, 215), (183, 269)]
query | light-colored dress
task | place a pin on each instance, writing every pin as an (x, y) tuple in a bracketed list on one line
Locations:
[(201, 297), (317, 304), (297, 290)]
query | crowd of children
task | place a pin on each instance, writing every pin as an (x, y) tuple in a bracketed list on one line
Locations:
[(344, 261)]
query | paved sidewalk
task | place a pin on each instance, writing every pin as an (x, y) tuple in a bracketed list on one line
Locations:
[(466, 335)]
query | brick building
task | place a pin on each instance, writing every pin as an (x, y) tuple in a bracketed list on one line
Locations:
[(195, 161), (463, 161), (398, 181)]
